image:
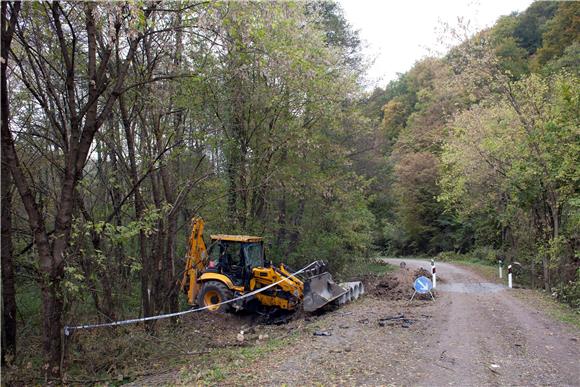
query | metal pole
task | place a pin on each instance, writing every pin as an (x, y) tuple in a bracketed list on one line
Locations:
[(434, 273)]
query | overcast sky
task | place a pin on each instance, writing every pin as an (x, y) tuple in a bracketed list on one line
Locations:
[(398, 33)]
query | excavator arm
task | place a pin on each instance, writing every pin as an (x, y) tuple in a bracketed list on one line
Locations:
[(196, 260)]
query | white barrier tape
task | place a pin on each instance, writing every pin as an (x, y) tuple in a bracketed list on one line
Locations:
[(68, 329)]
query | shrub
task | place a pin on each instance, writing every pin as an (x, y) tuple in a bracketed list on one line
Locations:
[(447, 256), (570, 292), (485, 253)]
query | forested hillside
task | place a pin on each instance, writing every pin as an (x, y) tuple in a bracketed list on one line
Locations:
[(484, 147), (121, 121)]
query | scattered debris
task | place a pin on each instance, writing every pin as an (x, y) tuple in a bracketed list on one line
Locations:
[(364, 321), (402, 265), (445, 358), (248, 329), (397, 317), (322, 333), (240, 337), (392, 320), (343, 326), (494, 368)]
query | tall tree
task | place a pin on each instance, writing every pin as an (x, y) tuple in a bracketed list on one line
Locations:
[(63, 46), (8, 287)]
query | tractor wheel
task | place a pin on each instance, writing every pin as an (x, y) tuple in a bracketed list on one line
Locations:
[(212, 293)]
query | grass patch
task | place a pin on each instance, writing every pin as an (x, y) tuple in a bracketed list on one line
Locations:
[(377, 267), (549, 305), (226, 363), (215, 375), (486, 270)]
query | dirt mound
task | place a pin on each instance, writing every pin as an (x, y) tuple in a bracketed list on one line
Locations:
[(394, 286), (422, 272), (426, 273)]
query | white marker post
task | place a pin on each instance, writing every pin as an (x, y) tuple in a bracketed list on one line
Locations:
[(510, 276), (500, 269), (434, 273)]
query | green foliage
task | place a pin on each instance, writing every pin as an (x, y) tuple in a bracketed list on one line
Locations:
[(483, 145), (449, 256), (485, 254), (259, 123), (570, 292), (530, 24), (561, 31), (481, 256)]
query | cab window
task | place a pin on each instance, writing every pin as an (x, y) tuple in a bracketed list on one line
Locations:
[(233, 254), (254, 254)]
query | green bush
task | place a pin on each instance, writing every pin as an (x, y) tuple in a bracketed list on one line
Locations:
[(570, 293), (447, 256), (485, 253)]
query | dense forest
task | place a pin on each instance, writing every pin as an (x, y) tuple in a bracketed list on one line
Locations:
[(121, 121)]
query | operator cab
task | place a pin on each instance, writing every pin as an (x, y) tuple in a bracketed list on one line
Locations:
[(236, 256)]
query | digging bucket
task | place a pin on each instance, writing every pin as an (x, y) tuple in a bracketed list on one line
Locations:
[(319, 290)]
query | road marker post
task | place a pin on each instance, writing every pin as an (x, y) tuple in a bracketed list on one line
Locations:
[(510, 276), (500, 269), (434, 273)]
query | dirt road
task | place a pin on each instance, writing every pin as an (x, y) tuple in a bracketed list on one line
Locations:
[(477, 324), (475, 333)]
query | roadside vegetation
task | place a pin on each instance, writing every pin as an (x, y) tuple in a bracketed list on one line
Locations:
[(121, 121)]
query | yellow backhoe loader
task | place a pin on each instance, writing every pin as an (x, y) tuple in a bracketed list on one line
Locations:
[(235, 265)]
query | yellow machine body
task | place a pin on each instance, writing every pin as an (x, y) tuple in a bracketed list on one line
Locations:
[(208, 281)]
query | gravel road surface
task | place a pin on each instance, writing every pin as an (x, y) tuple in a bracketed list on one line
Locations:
[(474, 334)]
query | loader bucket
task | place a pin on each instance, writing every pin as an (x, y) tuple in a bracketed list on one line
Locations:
[(319, 290)]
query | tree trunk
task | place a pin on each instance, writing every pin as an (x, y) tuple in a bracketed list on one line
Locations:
[(281, 235), (8, 288), (139, 209), (52, 309), (295, 234), (533, 277), (545, 264), (169, 236), (232, 190)]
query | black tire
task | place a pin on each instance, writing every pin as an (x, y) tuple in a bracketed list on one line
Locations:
[(214, 292)]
